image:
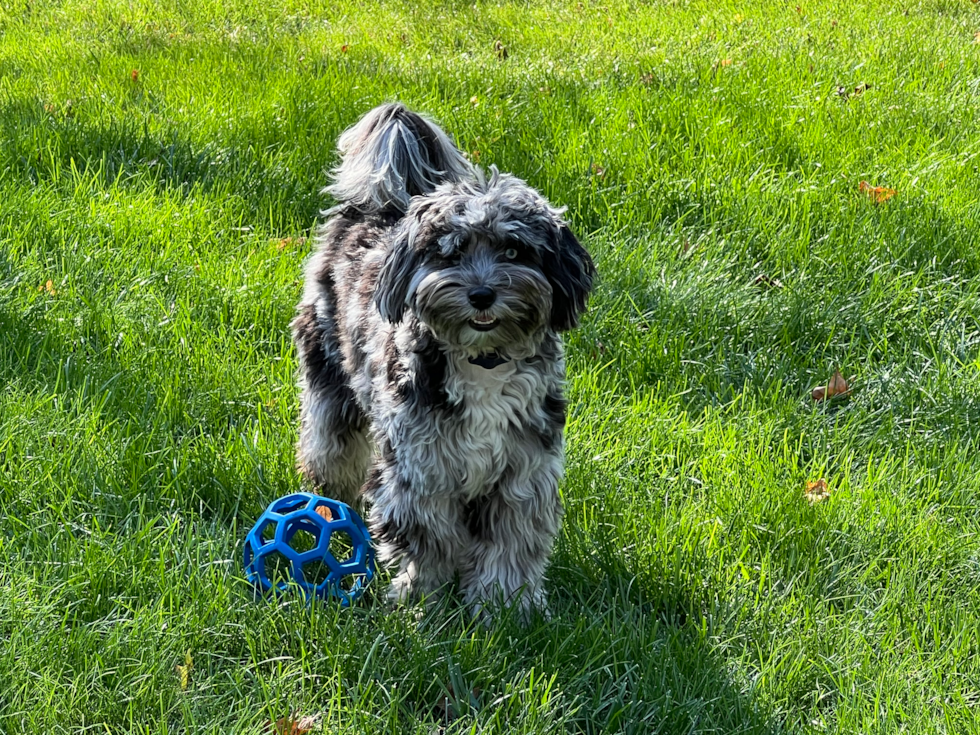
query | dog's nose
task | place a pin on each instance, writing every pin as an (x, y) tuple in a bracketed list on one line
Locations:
[(482, 297)]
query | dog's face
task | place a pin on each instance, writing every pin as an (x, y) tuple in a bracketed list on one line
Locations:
[(487, 266)]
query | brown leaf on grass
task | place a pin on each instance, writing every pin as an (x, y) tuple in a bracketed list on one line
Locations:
[(836, 387), (293, 725), (876, 194), (288, 242), (500, 50), (816, 492), (324, 512), (48, 286), (134, 75), (184, 672)]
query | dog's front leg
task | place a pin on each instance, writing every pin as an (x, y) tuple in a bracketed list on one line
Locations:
[(512, 532), (420, 533)]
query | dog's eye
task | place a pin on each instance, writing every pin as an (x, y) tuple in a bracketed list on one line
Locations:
[(510, 253)]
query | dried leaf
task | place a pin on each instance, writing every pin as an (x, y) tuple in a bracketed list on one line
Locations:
[(500, 50), (976, 36), (876, 194), (294, 725), (288, 242), (48, 286), (836, 387), (184, 672), (324, 512), (344, 48), (134, 75), (816, 492)]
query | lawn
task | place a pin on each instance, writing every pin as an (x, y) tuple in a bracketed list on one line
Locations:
[(161, 167)]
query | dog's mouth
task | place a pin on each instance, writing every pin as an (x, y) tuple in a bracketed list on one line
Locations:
[(483, 323)]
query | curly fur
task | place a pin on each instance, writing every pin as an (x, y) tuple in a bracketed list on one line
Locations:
[(431, 366)]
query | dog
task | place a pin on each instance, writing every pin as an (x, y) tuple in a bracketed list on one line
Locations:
[(430, 363)]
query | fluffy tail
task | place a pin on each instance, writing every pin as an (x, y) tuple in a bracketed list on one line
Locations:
[(391, 155)]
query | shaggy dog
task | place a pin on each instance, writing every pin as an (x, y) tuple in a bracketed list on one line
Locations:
[(431, 365)]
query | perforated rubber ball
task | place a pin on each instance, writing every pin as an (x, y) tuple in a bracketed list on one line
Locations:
[(318, 545)]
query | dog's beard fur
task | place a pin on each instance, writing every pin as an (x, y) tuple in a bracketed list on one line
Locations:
[(423, 266)]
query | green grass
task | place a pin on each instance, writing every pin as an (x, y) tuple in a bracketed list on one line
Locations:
[(148, 405)]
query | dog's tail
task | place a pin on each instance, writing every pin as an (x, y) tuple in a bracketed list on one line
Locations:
[(390, 155)]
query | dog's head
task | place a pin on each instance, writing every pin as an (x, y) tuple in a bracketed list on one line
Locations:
[(487, 265)]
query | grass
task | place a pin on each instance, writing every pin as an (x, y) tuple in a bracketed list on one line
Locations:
[(160, 168)]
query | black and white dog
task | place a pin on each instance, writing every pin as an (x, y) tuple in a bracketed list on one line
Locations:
[(431, 366)]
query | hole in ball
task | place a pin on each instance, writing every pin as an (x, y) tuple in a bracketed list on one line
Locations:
[(350, 581), (268, 532), (277, 568), (303, 540), (341, 546), (316, 572)]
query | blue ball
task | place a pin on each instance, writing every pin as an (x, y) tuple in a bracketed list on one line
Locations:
[(320, 545)]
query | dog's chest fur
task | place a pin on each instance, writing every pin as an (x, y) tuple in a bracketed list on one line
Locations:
[(492, 405), (488, 436)]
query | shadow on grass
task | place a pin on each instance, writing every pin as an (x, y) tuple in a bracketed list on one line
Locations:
[(138, 445), (613, 658), (277, 180)]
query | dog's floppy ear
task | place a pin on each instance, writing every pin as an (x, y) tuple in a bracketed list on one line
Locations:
[(570, 270), (400, 265)]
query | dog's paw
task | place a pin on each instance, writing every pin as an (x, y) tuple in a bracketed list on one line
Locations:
[(402, 590)]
